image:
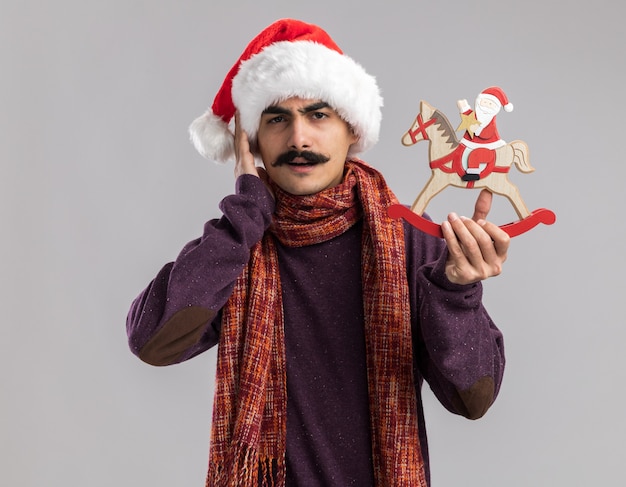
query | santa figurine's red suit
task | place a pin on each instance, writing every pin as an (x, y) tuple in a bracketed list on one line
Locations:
[(482, 138)]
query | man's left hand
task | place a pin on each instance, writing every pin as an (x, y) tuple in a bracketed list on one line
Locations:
[(477, 248)]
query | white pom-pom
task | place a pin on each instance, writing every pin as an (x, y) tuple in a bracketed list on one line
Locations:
[(212, 138)]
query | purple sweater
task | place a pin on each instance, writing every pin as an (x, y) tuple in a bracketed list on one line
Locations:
[(457, 348)]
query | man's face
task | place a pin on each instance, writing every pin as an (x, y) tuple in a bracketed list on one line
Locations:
[(303, 145)]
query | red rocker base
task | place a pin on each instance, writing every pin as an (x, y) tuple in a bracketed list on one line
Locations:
[(541, 215)]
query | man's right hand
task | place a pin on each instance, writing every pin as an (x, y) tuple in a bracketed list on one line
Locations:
[(244, 159)]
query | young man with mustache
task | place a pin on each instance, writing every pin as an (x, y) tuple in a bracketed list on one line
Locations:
[(328, 315)]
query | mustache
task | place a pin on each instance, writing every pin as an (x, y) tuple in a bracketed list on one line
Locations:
[(308, 156)]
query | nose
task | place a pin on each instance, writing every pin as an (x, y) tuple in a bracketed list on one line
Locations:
[(299, 135)]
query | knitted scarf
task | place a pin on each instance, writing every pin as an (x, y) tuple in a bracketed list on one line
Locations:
[(248, 437)]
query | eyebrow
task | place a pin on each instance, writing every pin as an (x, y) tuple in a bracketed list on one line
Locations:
[(278, 110)]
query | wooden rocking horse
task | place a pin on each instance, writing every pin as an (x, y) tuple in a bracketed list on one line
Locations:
[(449, 160)]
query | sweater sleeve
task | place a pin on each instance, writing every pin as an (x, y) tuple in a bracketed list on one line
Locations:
[(178, 315), (459, 351)]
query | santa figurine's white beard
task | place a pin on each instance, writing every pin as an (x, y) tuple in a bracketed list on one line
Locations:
[(484, 116)]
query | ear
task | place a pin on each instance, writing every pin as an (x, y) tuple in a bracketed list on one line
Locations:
[(354, 136), (426, 109)]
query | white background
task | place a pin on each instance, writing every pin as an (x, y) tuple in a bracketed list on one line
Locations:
[(99, 187)]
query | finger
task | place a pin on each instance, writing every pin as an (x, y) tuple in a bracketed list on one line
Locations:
[(483, 205), (237, 136), (456, 263), (237, 125), (476, 250), (244, 160), (449, 235), (501, 239), (242, 144), (478, 247), (454, 246), (479, 244), (458, 268), (240, 136), (493, 243)]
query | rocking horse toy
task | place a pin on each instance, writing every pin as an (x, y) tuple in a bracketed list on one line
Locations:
[(481, 159)]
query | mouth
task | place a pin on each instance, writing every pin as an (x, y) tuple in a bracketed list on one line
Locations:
[(303, 163), (488, 110), (301, 167)]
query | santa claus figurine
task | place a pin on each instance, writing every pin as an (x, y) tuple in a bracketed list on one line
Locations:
[(481, 134)]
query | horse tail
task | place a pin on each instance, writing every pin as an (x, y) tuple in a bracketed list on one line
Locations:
[(520, 156)]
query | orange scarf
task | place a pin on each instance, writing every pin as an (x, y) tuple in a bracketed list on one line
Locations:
[(248, 438)]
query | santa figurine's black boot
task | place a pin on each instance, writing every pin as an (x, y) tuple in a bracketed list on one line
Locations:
[(470, 177)]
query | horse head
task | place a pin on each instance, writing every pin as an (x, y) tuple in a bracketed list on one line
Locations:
[(430, 124), (417, 132)]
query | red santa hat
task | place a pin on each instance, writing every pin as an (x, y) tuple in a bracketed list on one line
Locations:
[(497, 95), (288, 59)]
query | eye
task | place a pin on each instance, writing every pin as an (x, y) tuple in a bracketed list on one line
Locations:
[(276, 119), (319, 115)]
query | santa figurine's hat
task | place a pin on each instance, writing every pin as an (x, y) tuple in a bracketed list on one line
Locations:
[(496, 94), (288, 59)]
